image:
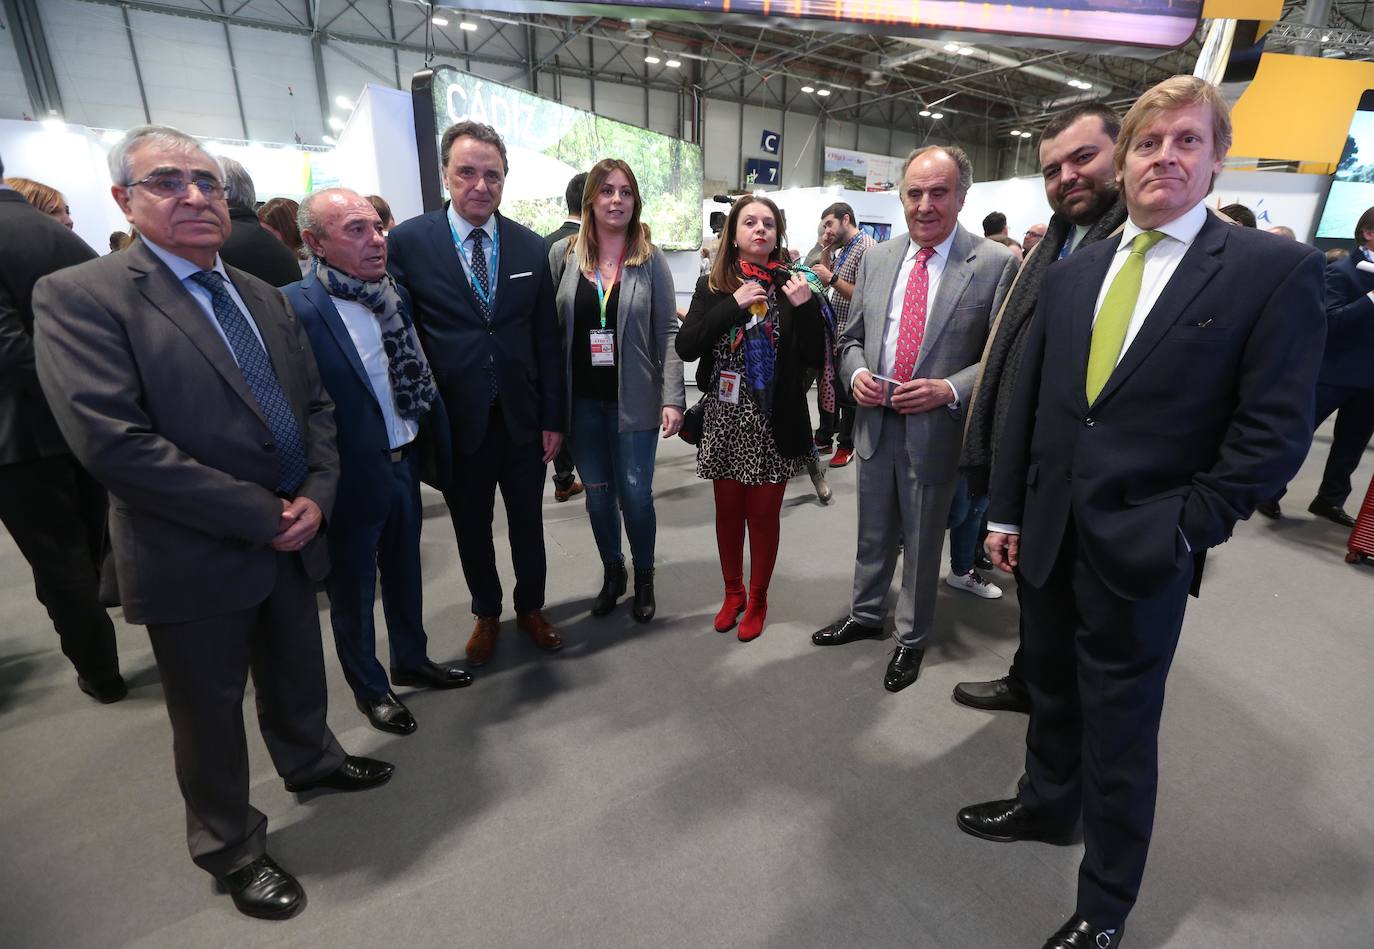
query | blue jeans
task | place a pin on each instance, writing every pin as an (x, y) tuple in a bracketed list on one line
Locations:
[(617, 469), (965, 524)]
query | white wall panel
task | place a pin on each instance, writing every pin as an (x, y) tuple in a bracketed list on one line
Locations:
[(186, 72), (873, 139), (799, 142), (663, 111), (277, 79), (95, 70), (14, 95), (576, 92), (722, 140)]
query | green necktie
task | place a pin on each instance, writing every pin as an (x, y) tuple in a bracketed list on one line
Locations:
[(1109, 331)]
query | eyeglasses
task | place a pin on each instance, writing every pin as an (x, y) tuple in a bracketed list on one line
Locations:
[(165, 185)]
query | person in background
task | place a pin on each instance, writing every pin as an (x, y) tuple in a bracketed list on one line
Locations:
[(1335, 254), (565, 483), (922, 307), (1034, 235), (756, 329), (618, 310), (1010, 245), (189, 390), (383, 213), (1240, 214), (1284, 231), (995, 225), (250, 246), (54, 510), (279, 217), (48, 200), (1346, 383), (373, 368), (813, 256), (119, 240)]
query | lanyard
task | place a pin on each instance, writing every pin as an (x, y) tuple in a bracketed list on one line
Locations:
[(844, 254), (487, 295), (603, 296)]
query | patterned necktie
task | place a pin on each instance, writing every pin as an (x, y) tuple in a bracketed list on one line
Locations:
[(912, 330), (1109, 330), (262, 382), (482, 278)]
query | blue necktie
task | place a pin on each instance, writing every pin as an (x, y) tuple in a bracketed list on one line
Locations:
[(262, 381), (483, 280)]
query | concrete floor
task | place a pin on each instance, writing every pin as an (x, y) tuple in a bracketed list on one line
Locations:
[(664, 785)]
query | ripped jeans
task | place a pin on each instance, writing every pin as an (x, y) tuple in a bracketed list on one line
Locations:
[(617, 469)]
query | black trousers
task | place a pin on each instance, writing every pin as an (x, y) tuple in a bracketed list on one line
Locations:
[(1354, 427), (564, 468), (1095, 665), (55, 512), (204, 665), (518, 468)]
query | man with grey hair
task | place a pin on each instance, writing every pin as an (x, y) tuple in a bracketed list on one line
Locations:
[(370, 360), (188, 389), (918, 321), (250, 246)]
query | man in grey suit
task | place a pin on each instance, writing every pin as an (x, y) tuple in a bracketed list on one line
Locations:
[(188, 389), (919, 320)]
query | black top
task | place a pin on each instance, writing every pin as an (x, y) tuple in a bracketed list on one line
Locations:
[(588, 381), (254, 248)]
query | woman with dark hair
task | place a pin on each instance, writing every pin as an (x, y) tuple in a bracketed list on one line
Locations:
[(279, 217), (618, 308), (756, 329)]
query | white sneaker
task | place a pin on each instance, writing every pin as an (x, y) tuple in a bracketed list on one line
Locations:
[(973, 582)]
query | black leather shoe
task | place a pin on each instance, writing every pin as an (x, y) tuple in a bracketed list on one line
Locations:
[(1269, 509), (106, 690), (388, 714), (644, 605), (1330, 512), (612, 589), (982, 561), (355, 774), (999, 695), (264, 890), (1078, 933), (1008, 821), (846, 630), (903, 668), (432, 675)]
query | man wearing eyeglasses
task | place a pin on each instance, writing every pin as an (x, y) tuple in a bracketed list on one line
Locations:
[(188, 389), (483, 301)]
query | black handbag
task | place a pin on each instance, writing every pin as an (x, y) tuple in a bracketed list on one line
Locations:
[(690, 432)]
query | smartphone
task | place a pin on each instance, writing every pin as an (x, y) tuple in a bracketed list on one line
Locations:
[(889, 388)]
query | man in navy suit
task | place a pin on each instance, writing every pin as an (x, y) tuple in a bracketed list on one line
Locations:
[(1166, 389), (484, 305), (1346, 383), (371, 364)]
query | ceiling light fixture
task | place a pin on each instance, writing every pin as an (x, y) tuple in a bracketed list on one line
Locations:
[(937, 115), (639, 29), (673, 63), (652, 60), (336, 123), (808, 89), (1016, 132), (925, 113), (439, 20), (951, 47), (344, 102), (468, 25), (822, 92), (965, 51)]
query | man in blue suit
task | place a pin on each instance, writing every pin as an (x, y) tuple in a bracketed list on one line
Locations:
[(484, 305), (372, 365), (1166, 388), (1346, 383)]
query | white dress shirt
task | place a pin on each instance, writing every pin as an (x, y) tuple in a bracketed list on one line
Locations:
[(464, 230), (892, 327), (183, 269), (1160, 264), (366, 334)]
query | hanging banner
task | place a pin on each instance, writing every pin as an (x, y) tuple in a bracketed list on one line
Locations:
[(860, 171)]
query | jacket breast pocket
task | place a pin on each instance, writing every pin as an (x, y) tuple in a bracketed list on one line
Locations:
[(1204, 333)]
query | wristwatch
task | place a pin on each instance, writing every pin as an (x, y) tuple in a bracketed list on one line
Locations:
[(833, 278)]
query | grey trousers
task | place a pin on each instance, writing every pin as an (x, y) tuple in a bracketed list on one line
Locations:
[(896, 509)]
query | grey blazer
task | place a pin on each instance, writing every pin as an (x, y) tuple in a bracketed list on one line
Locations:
[(975, 281), (647, 364), (150, 400)]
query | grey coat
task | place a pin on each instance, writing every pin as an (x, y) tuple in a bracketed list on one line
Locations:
[(647, 363), (976, 279)]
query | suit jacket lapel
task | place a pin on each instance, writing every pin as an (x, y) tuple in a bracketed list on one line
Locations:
[(955, 279), (1198, 266), (161, 288), (884, 286), (329, 314)]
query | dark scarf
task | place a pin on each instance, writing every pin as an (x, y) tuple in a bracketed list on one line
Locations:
[(992, 394), (760, 340), (412, 384)]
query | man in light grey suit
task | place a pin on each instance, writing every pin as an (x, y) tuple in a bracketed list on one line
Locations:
[(187, 388), (919, 319)]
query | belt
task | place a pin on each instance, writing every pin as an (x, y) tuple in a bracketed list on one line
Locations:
[(399, 454)]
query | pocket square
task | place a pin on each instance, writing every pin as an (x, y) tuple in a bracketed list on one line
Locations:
[(517, 276)]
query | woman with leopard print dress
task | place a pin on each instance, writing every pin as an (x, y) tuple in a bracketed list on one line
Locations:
[(756, 329)]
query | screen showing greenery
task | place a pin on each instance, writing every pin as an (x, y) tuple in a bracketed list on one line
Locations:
[(548, 142)]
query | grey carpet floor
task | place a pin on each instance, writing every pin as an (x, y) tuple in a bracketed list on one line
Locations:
[(665, 785)]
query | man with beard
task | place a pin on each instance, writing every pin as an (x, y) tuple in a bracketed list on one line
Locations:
[(1080, 185)]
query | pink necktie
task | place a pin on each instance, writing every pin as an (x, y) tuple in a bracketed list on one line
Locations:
[(913, 326)]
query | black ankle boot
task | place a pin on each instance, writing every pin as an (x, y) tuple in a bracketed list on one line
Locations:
[(612, 589), (644, 605)]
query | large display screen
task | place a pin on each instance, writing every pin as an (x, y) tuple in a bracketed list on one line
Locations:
[(1352, 191), (547, 143), (1118, 23)]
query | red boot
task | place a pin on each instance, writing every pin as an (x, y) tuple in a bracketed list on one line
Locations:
[(752, 624), (763, 510), (730, 544)]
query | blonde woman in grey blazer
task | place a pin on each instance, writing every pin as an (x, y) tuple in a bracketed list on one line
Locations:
[(618, 312)]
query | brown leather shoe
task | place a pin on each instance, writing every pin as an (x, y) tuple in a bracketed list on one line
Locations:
[(543, 633), (571, 491), (482, 642)]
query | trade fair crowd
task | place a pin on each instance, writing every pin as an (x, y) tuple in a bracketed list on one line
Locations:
[(1093, 417)]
